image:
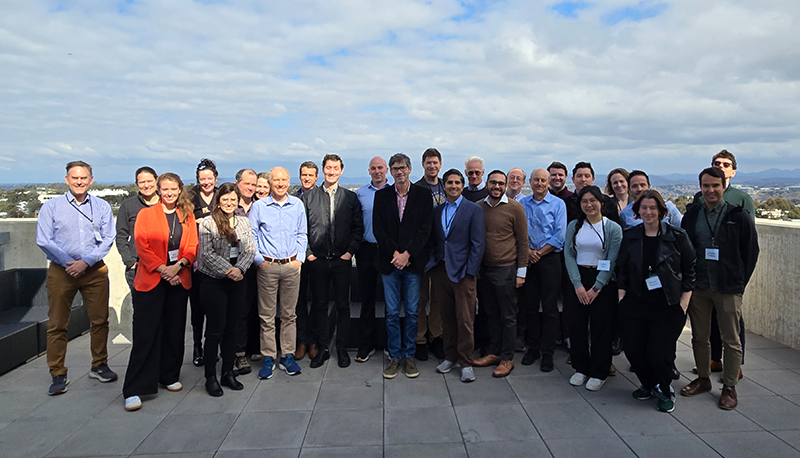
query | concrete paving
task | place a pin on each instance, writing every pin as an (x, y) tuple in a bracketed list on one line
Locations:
[(354, 412)]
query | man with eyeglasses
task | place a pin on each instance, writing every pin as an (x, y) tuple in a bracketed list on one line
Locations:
[(726, 161), (401, 223), (516, 180), (476, 189), (503, 272)]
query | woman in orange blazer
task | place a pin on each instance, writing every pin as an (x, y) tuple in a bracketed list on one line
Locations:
[(166, 241)]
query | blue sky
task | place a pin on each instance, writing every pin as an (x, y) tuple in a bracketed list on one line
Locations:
[(654, 85)]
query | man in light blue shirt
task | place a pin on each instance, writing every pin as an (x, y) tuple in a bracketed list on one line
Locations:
[(638, 182), (365, 258), (547, 227), (280, 230), (75, 233)]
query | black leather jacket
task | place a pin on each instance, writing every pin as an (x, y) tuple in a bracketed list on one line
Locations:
[(675, 268), (349, 225)]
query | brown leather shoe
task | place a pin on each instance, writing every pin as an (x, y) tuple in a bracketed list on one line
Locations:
[(488, 360), (716, 366), (728, 400), (697, 386), (503, 369), (740, 376), (313, 349), (300, 353), (612, 371)]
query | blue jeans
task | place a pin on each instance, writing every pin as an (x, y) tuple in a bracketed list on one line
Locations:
[(392, 285)]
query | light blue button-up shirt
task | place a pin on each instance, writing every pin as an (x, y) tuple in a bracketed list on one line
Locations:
[(673, 217), (449, 213), (280, 228), (366, 195), (68, 231), (547, 221)]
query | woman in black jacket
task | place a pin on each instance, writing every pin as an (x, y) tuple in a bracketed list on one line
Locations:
[(655, 278)]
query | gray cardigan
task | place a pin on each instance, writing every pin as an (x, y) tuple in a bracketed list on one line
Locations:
[(613, 237)]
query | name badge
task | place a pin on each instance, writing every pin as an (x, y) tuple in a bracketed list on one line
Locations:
[(234, 252), (712, 254), (205, 210), (653, 283), (173, 255), (604, 265), (97, 237)]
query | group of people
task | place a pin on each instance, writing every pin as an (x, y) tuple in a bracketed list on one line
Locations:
[(469, 259)]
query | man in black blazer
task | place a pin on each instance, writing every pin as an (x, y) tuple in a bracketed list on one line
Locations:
[(401, 223), (458, 242), (335, 230)]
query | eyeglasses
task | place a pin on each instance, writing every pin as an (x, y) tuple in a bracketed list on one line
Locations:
[(724, 165), (399, 169), (496, 183), (474, 172)]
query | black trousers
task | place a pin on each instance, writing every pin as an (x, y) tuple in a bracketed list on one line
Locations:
[(222, 300), (248, 329), (368, 278), (306, 329), (592, 356), (650, 337), (542, 286), (716, 339), (324, 273), (498, 295), (159, 323), (197, 317)]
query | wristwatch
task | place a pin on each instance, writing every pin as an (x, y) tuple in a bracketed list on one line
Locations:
[(595, 289), (181, 264)]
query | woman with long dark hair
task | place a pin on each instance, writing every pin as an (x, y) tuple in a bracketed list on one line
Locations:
[(591, 248), (166, 242), (203, 198), (655, 279), (617, 188), (226, 251)]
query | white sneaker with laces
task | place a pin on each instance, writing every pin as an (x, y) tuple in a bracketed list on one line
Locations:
[(133, 403), (594, 384), (445, 367), (578, 379)]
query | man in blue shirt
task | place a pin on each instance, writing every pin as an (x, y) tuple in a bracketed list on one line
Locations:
[(365, 258), (75, 233), (280, 230), (547, 227), (638, 182)]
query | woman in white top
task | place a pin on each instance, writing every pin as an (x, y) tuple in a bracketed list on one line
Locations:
[(591, 249)]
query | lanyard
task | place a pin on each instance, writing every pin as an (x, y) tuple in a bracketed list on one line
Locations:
[(449, 220), (716, 225), (91, 220), (658, 244), (172, 229), (602, 238)]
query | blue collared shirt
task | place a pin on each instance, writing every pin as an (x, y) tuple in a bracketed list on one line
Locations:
[(280, 228), (673, 217), (366, 195), (547, 221), (449, 213), (68, 231)]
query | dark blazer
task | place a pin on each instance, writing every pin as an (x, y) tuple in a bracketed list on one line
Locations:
[(349, 227), (462, 249), (738, 245), (409, 235), (675, 262)]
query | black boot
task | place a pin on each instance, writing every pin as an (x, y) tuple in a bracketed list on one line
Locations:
[(212, 386), (230, 381), (198, 356)]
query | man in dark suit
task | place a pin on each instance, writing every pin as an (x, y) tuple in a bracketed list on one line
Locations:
[(401, 224), (335, 230), (458, 240)]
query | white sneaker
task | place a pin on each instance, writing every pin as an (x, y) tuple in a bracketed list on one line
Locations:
[(467, 374), (578, 379), (174, 386), (445, 367), (594, 384), (133, 403)]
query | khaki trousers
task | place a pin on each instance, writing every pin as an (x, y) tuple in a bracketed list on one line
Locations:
[(274, 280), (61, 290), (729, 309)]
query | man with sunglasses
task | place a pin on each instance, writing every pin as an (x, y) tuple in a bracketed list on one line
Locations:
[(476, 189)]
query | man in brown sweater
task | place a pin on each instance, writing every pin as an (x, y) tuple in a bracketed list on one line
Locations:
[(503, 270)]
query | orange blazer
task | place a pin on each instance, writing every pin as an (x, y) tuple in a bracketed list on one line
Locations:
[(151, 235)]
